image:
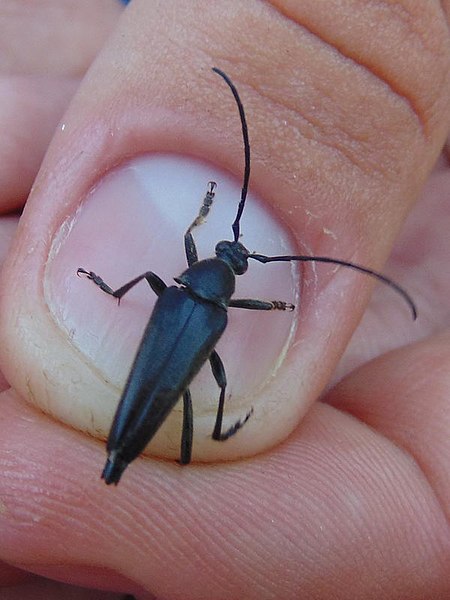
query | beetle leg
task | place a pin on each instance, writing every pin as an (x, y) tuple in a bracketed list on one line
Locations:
[(219, 374), (218, 371), (188, 429), (190, 249), (189, 244), (251, 304), (154, 281)]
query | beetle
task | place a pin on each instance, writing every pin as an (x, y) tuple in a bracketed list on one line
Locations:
[(186, 323)]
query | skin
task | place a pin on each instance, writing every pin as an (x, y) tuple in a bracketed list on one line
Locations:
[(355, 502)]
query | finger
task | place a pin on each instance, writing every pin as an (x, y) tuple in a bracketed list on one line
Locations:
[(350, 159), (30, 109), (8, 227), (405, 396), (51, 37), (447, 149), (39, 73), (50, 590), (419, 259), (11, 576), (335, 512)]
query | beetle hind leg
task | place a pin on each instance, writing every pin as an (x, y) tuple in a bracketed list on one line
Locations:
[(188, 429), (219, 374)]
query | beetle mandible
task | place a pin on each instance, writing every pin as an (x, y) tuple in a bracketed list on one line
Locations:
[(186, 323)]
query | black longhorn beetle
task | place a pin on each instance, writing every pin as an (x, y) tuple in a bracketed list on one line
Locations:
[(184, 328)]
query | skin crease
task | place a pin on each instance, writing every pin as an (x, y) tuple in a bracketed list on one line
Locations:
[(354, 504)]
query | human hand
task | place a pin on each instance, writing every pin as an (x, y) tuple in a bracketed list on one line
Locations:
[(335, 150), (46, 48)]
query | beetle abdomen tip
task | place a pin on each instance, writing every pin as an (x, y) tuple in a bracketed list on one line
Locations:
[(114, 468)]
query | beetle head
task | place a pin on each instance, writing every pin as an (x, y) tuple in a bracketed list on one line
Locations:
[(234, 254)]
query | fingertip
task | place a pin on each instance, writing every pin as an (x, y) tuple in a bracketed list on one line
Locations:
[(133, 221)]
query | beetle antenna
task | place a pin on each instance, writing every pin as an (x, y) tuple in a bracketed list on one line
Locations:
[(235, 226), (343, 263)]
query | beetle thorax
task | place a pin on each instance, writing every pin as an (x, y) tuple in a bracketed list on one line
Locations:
[(211, 279)]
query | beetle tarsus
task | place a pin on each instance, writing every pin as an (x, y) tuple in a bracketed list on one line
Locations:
[(221, 437), (97, 280), (205, 207), (280, 305), (189, 244)]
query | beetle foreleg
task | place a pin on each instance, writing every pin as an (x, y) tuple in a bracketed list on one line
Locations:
[(188, 429), (154, 281), (190, 249), (219, 374)]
